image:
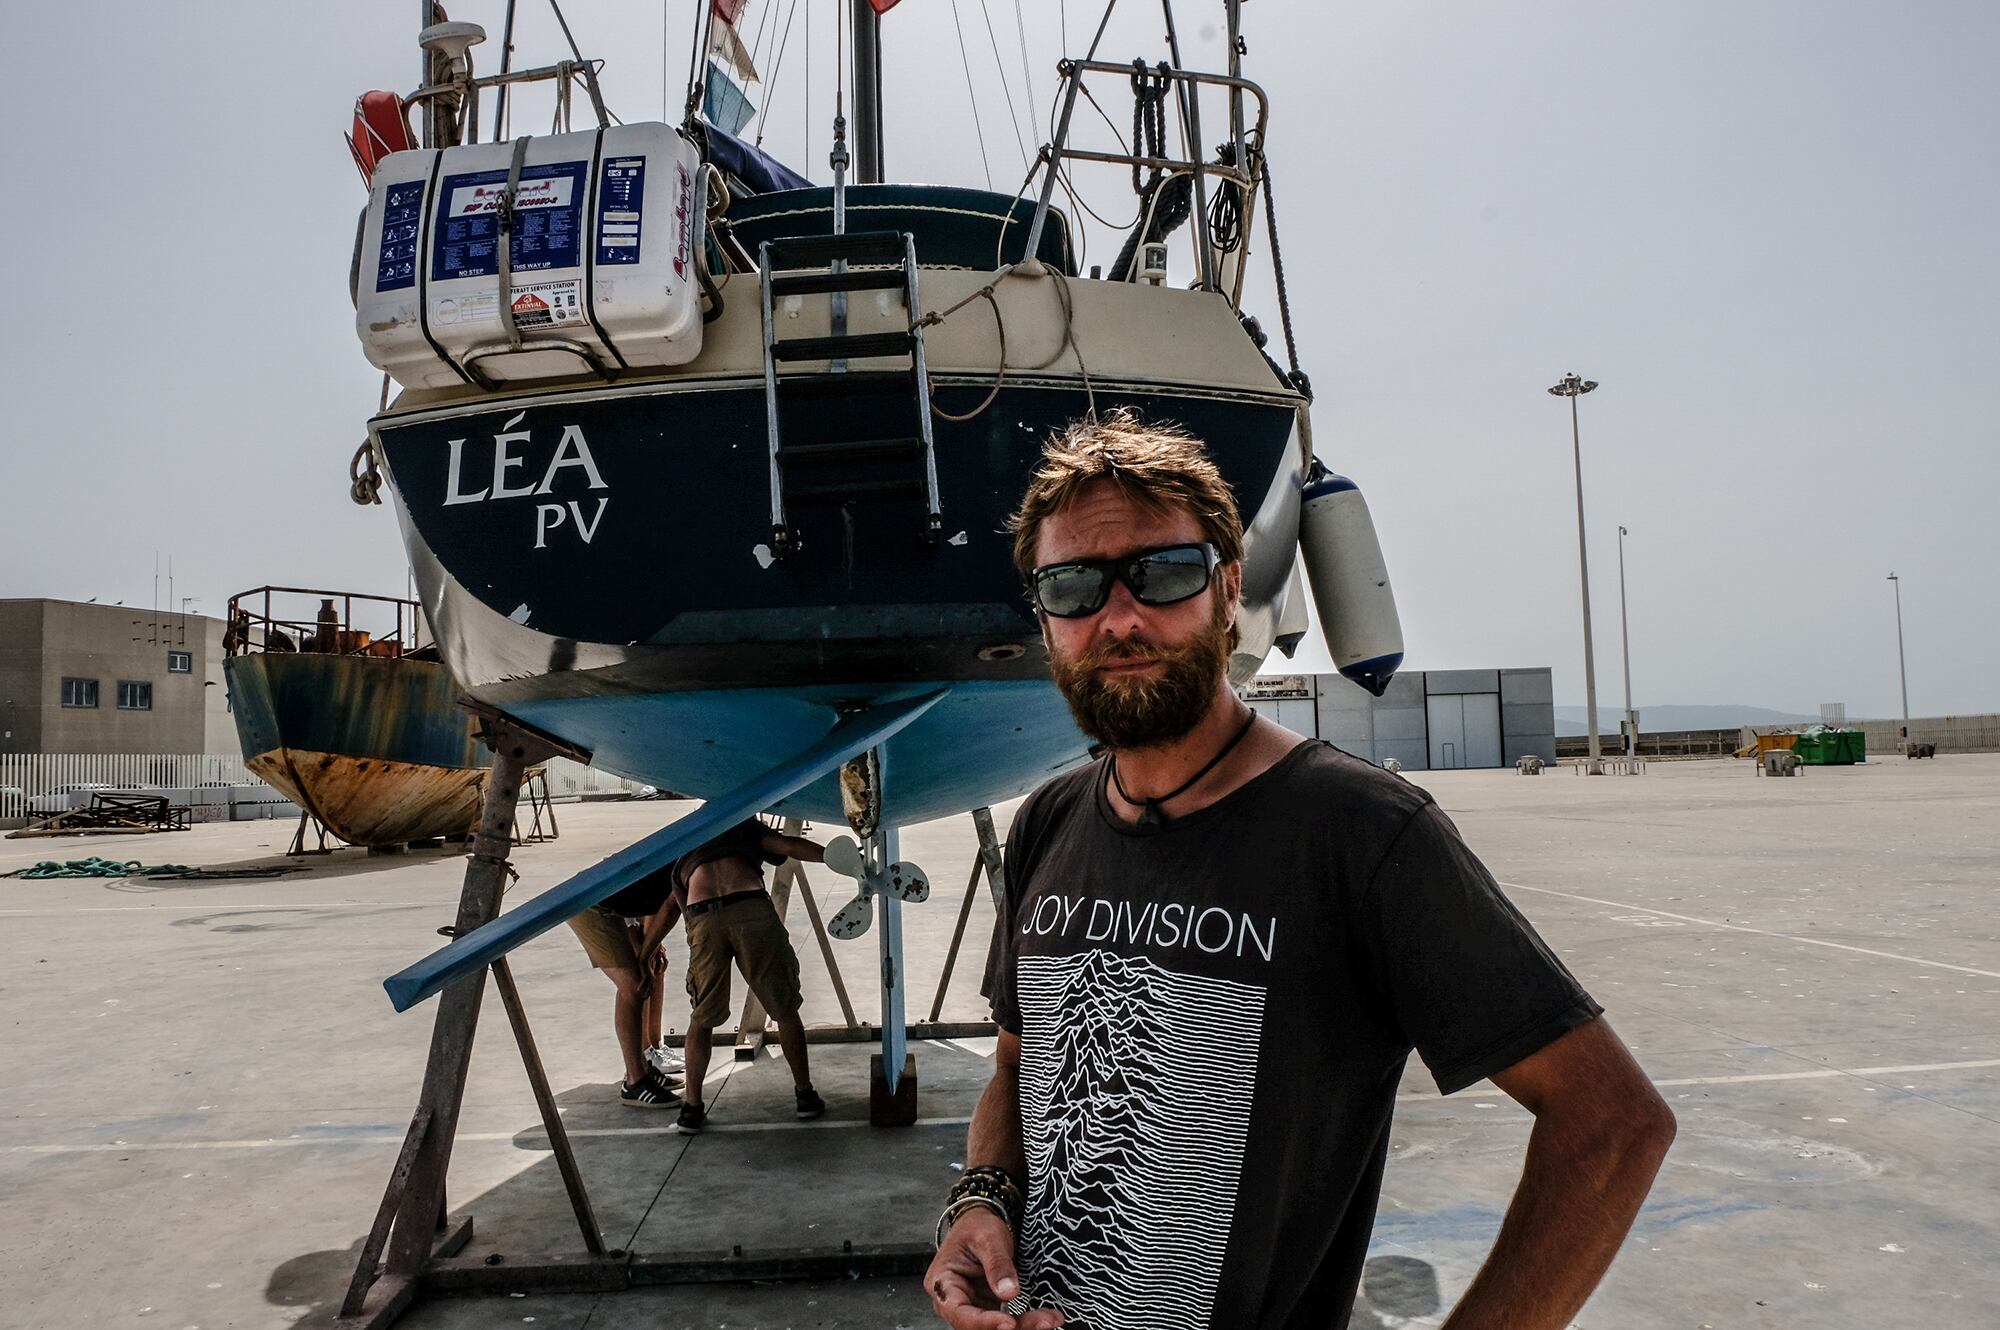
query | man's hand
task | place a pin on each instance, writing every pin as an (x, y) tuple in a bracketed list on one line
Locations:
[(651, 967), (973, 1276)]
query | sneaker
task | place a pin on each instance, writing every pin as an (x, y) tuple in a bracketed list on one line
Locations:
[(693, 1118), (664, 1059), (810, 1104), (648, 1093)]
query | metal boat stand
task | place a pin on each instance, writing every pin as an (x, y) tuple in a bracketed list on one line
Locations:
[(298, 848), (414, 1244), (541, 810), (989, 863), (413, 1230)]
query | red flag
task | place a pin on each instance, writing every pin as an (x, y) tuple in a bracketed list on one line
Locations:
[(881, 6), (728, 10)]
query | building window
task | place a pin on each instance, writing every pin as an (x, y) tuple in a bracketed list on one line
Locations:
[(134, 696), (180, 662), (79, 692)]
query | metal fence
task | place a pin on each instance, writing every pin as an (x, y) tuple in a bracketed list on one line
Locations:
[(1664, 744), (36, 783), (1951, 734)]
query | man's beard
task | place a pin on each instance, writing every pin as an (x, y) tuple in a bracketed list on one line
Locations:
[(1152, 710)]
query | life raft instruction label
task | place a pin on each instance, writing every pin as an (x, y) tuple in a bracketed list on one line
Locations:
[(621, 198), (402, 217), (547, 227), (535, 304)]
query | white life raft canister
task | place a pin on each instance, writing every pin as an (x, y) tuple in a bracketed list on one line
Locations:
[(605, 231), (1350, 581)]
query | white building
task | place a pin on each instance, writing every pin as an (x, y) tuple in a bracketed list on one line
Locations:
[(1425, 720)]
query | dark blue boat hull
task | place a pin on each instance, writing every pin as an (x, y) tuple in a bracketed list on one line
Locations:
[(629, 603)]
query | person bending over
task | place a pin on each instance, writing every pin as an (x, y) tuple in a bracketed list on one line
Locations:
[(630, 965), (730, 918)]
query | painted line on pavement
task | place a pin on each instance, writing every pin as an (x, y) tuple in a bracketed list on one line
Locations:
[(847, 1124), (1761, 932), (666, 1128)]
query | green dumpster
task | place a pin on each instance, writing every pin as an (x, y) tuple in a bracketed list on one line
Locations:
[(1823, 747)]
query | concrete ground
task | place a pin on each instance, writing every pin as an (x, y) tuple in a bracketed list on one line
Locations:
[(205, 1086)]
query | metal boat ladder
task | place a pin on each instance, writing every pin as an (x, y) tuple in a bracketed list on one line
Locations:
[(807, 474)]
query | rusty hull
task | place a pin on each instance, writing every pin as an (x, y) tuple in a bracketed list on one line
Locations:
[(377, 749)]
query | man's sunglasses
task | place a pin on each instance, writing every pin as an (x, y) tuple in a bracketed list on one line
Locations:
[(1163, 576)]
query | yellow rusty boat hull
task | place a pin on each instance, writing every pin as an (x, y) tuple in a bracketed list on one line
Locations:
[(377, 749)]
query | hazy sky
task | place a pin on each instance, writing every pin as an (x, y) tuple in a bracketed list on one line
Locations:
[(1766, 228)]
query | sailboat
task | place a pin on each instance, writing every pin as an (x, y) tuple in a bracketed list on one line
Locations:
[(704, 469)]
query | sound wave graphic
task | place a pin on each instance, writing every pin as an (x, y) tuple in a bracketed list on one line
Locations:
[(1135, 1121)]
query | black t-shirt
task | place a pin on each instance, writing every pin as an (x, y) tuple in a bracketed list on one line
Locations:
[(644, 898), (1214, 1015)]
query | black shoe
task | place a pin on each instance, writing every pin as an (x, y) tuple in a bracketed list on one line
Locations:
[(810, 1104), (693, 1118), (647, 1093)]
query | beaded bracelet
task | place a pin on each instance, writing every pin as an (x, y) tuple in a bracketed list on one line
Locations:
[(954, 1209), (986, 1185), (994, 1183)]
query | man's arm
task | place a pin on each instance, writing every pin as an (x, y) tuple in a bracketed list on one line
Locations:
[(657, 928), (793, 847), (1601, 1130), (973, 1273)]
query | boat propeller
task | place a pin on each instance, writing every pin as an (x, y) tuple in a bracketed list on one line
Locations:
[(852, 919), (843, 856), (906, 882)]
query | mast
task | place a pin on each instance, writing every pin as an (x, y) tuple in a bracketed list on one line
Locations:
[(867, 33), (440, 113), (1235, 13)]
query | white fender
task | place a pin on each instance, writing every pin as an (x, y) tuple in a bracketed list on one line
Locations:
[(1293, 625), (1350, 580)]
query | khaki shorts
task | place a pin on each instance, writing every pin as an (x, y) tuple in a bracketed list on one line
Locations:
[(605, 939), (748, 931)]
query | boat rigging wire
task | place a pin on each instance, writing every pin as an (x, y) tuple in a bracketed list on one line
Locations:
[(764, 13), (972, 96), (771, 94), (999, 66), (1102, 24), (506, 65), (704, 31), (1027, 68), (1299, 379), (589, 71)]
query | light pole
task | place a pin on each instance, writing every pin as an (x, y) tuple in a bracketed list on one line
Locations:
[(1573, 387), (1902, 670), (1631, 744)]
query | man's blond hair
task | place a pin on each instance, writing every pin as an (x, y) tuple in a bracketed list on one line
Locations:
[(1158, 466)]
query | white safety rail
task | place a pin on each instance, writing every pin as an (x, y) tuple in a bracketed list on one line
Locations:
[(37, 784), (572, 782)]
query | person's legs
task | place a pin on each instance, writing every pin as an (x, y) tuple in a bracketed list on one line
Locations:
[(708, 1004), (627, 1017), (763, 950), (696, 1054), (792, 1039), (606, 943)]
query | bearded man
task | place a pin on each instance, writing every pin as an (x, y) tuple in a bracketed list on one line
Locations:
[(1220, 944)]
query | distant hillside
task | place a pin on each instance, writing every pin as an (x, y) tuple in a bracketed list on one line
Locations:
[(1570, 720)]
